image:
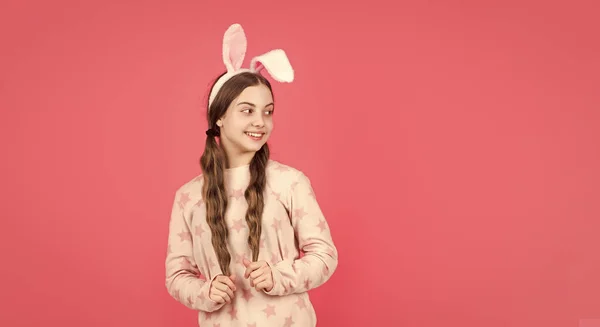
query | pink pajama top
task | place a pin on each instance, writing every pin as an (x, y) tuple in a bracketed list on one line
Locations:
[(292, 223)]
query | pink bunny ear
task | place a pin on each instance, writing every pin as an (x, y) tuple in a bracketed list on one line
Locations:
[(234, 51), (234, 47), (276, 63)]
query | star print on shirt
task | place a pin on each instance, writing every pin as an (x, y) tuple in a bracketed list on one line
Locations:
[(247, 294), (307, 283), (299, 213), (184, 199), (269, 310), (288, 322), (185, 236), (282, 168), (294, 184), (237, 194), (233, 312), (290, 208), (286, 251), (277, 195), (240, 258), (238, 224), (322, 224), (199, 231), (276, 224), (301, 304)]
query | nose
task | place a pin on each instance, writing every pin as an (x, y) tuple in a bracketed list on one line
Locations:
[(259, 121)]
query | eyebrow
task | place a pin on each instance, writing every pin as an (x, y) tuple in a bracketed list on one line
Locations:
[(253, 105)]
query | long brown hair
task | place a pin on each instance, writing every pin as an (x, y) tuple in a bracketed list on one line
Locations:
[(214, 162)]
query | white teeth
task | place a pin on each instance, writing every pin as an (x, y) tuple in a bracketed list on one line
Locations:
[(254, 134)]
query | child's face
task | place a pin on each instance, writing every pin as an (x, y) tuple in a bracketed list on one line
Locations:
[(249, 113)]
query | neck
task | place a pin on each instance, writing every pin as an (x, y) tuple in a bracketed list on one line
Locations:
[(239, 159)]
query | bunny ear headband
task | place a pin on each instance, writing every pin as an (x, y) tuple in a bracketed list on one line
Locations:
[(234, 51)]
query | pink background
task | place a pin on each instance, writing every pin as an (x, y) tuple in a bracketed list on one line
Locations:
[(453, 145)]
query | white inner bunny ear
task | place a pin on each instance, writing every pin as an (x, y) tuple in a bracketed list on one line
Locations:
[(276, 63), (234, 47)]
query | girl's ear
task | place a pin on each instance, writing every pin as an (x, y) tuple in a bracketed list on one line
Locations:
[(234, 47)]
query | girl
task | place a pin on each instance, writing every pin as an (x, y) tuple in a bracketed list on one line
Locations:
[(247, 238)]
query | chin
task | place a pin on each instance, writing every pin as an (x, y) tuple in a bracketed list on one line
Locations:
[(254, 147)]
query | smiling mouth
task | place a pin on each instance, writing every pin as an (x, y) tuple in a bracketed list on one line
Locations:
[(255, 136)]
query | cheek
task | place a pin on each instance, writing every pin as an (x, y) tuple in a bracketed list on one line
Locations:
[(269, 124), (237, 125)]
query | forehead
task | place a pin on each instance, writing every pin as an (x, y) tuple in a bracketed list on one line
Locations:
[(258, 95)]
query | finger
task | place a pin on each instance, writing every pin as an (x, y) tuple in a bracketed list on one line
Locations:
[(223, 295), (264, 285), (221, 286), (260, 279), (229, 283), (222, 278), (257, 273), (230, 294), (246, 262), (217, 296), (248, 271), (252, 267), (225, 288), (226, 281), (258, 264)]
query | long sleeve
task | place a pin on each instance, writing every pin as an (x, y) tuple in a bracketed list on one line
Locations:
[(184, 281), (320, 257)]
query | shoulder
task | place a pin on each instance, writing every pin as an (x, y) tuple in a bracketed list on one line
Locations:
[(190, 192), (282, 171), (285, 177)]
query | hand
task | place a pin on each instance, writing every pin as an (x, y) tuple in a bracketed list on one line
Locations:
[(222, 288), (259, 274)]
